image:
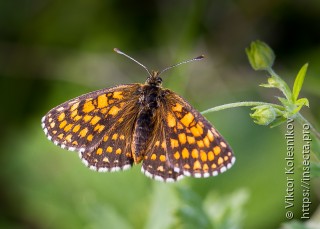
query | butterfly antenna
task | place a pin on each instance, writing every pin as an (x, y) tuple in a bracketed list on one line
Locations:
[(122, 53), (183, 62)]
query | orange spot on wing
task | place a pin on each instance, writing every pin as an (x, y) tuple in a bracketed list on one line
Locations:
[(191, 139), (74, 113), (114, 110), (197, 165), (216, 150), (68, 127), (174, 143), (177, 107), (210, 156), (162, 158), (88, 106), (105, 138), (99, 151), (186, 166), (163, 145), (199, 127), (68, 138), (77, 118), (60, 136), (118, 151), (187, 119), (99, 128), (182, 138), (90, 137), (117, 95), (87, 118), (114, 137), (195, 131), (94, 120), (185, 153), (200, 143), (61, 116), (76, 128), (203, 155), (195, 153), (83, 132), (63, 124), (206, 141), (171, 120), (102, 101)]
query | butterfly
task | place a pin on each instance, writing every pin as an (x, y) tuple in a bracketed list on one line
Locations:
[(116, 127)]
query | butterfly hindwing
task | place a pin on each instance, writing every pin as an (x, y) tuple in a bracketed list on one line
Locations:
[(156, 163), (195, 147), (114, 150)]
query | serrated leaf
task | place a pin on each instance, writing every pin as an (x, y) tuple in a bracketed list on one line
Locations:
[(298, 82)]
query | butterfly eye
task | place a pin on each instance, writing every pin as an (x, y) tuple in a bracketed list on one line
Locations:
[(159, 80)]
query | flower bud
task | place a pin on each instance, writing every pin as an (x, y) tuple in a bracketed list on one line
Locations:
[(264, 114), (260, 55)]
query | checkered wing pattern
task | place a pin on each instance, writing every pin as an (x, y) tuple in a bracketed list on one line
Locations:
[(194, 147), (156, 162), (98, 125)]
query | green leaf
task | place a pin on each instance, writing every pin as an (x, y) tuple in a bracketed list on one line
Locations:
[(260, 55), (298, 82), (299, 104), (302, 102)]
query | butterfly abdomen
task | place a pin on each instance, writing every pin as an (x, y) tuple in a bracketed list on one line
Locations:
[(145, 123)]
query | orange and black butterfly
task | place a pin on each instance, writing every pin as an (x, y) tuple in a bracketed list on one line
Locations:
[(114, 128)]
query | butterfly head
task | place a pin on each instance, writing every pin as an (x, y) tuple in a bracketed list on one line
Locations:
[(154, 79)]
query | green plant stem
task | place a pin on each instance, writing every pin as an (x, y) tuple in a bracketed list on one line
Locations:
[(299, 117), (303, 120), (240, 104), (283, 85)]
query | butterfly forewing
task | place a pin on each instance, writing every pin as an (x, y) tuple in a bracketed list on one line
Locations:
[(81, 124), (195, 148)]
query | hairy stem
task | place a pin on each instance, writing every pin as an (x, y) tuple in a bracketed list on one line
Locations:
[(240, 104)]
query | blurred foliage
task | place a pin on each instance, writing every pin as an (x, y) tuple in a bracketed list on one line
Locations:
[(52, 51)]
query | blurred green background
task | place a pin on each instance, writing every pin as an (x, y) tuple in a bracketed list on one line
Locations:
[(52, 51)]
